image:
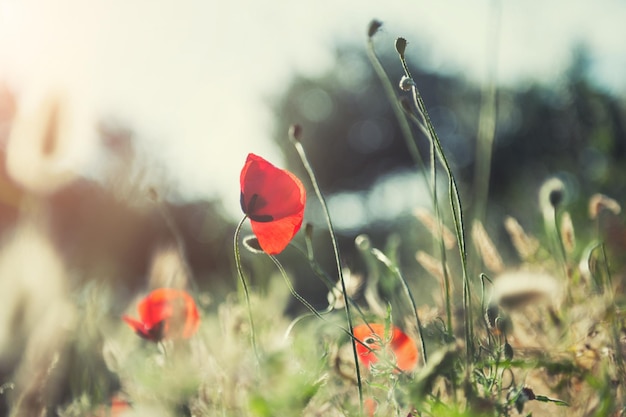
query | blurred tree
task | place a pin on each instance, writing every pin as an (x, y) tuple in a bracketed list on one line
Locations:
[(352, 137), (571, 129)]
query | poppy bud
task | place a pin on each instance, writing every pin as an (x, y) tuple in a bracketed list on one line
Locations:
[(373, 27), (295, 132), (406, 83), (362, 242), (401, 46), (552, 193), (508, 351)]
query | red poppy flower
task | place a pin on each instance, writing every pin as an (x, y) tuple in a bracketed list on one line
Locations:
[(274, 200), (402, 347), (165, 313)]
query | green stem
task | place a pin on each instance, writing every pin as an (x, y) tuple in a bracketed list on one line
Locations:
[(331, 231), (245, 288), (405, 127), (487, 119), (417, 157), (457, 214), (293, 291), (396, 271)]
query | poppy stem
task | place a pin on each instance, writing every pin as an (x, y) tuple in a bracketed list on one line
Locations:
[(244, 285), (455, 204), (293, 291), (307, 166), (396, 271), (403, 115)]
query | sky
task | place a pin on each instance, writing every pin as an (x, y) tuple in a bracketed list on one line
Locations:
[(192, 77)]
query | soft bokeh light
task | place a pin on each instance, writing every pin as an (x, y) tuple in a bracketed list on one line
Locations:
[(192, 78)]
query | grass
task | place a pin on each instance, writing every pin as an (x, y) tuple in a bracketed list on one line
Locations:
[(545, 336)]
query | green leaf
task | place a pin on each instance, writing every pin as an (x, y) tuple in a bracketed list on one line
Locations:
[(556, 401)]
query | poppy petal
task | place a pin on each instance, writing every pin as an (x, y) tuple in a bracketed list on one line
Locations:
[(156, 306), (268, 191), (404, 349), (166, 312), (275, 236), (136, 325), (402, 346), (274, 199)]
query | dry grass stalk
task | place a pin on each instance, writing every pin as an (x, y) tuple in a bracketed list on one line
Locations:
[(525, 245), (436, 228), (567, 233), (435, 268), (487, 250)]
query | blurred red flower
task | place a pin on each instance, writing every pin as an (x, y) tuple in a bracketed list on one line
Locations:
[(370, 406), (117, 406), (165, 313), (402, 347), (274, 200)]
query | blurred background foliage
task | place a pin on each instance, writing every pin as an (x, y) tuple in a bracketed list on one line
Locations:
[(110, 232), (571, 130)]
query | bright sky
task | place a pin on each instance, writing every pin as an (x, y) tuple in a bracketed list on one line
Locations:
[(191, 76)]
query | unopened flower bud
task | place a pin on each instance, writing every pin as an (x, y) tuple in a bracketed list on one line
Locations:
[(406, 83), (508, 351), (362, 242), (552, 192), (295, 132), (401, 46), (373, 27)]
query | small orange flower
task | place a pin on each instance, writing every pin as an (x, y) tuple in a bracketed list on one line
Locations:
[(274, 200), (399, 344), (165, 313)]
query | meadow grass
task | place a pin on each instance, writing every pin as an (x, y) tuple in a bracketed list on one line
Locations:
[(544, 336)]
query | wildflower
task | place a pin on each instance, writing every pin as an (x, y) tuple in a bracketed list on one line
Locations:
[(274, 201), (165, 313), (373, 336)]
